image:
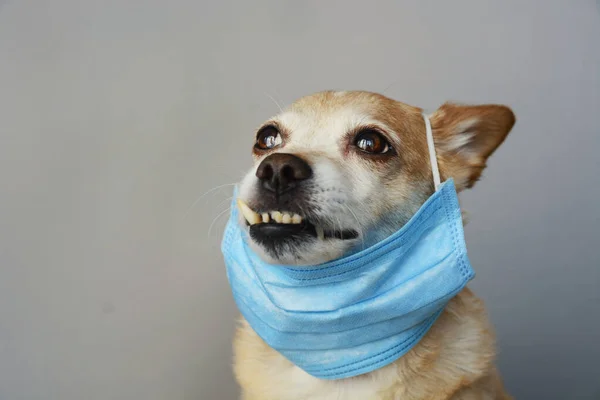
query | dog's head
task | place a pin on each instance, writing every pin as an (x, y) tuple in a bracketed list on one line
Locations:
[(338, 171)]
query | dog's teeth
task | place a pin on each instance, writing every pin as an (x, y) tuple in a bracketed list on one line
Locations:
[(276, 215), (251, 216), (282, 218), (320, 232)]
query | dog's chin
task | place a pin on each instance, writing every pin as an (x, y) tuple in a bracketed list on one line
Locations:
[(299, 247), (301, 253), (299, 244)]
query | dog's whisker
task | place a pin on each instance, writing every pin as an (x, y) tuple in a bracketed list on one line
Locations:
[(227, 200), (358, 226), (339, 223), (389, 86), (215, 220), (216, 188), (274, 101)]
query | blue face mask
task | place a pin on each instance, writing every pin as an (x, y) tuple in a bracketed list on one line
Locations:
[(361, 312)]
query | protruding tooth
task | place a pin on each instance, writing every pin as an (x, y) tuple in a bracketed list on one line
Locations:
[(251, 216), (287, 218), (265, 217), (276, 215), (296, 219), (320, 232)]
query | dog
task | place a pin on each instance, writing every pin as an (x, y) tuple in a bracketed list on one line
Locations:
[(355, 167)]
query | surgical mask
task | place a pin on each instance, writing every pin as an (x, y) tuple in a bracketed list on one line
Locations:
[(363, 311)]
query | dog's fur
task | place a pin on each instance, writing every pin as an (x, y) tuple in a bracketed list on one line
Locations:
[(375, 195)]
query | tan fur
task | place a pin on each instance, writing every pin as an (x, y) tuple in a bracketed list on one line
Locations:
[(455, 360)]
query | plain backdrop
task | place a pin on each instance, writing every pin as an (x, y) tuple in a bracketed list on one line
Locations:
[(116, 116)]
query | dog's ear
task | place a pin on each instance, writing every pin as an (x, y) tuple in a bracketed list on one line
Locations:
[(465, 136)]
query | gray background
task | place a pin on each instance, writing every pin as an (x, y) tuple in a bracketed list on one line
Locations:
[(115, 116)]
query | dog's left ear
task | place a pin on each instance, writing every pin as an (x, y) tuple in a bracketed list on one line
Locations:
[(465, 136)]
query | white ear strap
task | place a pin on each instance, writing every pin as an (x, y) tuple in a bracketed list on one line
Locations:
[(432, 157)]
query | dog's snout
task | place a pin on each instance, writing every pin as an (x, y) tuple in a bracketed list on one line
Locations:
[(281, 172)]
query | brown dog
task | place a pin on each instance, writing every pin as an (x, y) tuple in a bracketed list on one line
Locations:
[(367, 161)]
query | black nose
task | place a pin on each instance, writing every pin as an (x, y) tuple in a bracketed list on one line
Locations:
[(281, 172)]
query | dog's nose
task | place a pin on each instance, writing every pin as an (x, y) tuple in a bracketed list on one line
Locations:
[(281, 172)]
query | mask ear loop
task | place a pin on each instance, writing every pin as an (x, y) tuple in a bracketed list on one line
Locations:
[(432, 157)]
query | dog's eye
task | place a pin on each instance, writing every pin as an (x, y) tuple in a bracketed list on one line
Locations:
[(268, 138), (371, 141)]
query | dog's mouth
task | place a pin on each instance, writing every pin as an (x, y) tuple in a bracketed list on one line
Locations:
[(274, 226)]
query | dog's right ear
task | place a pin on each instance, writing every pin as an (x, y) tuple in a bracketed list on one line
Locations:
[(465, 136)]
